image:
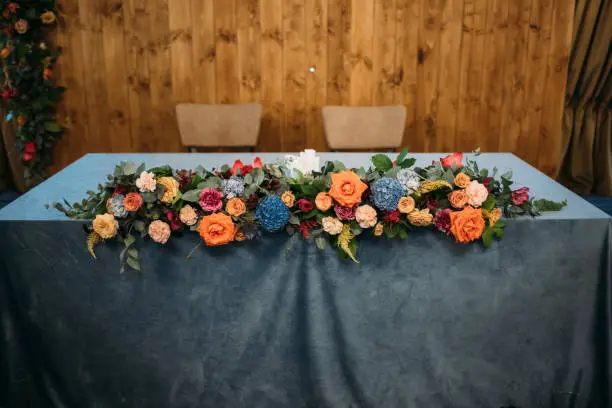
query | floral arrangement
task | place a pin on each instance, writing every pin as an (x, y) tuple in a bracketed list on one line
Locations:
[(29, 93), (325, 203)]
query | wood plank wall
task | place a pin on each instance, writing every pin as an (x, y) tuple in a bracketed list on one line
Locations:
[(488, 73)]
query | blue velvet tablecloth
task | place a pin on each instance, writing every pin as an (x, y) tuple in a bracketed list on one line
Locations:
[(423, 322)]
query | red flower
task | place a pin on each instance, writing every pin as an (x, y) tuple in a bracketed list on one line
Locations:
[(237, 166), (305, 205), (394, 163), (520, 196), (345, 213), (27, 157), (29, 147), (185, 177), (443, 221), (455, 158), (244, 170), (175, 221), (487, 183), (392, 217), (120, 190), (247, 169), (257, 163), (305, 226), (252, 201)]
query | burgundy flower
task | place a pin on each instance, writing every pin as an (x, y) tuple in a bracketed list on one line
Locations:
[(432, 203), (120, 189), (252, 201), (29, 147), (520, 196), (210, 199), (185, 177), (175, 221), (305, 205), (487, 183), (305, 227), (272, 185), (392, 217), (345, 213), (443, 221)]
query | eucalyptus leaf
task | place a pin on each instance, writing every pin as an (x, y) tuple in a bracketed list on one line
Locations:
[(258, 176), (129, 240), (402, 233), (355, 228), (507, 175), (133, 253), (293, 219), (361, 173), (134, 264), (211, 182), (392, 173), (149, 197), (321, 242), (248, 179), (192, 196), (339, 166), (139, 225)]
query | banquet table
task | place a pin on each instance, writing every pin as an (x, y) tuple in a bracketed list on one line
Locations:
[(421, 322)]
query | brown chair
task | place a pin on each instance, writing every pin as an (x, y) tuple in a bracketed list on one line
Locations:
[(362, 128), (218, 126)]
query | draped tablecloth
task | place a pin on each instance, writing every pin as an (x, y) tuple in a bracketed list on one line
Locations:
[(423, 322)]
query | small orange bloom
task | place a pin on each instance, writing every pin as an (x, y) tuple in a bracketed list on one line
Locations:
[(217, 229), (132, 201), (21, 120), (239, 237), (467, 225), (324, 202), (12, 7), (47, 17), (462, 180), (235, 207), (47, 73), (5, 51), (458, 198), (288, 198), (347, 188)]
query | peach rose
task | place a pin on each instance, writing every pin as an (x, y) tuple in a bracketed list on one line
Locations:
[(239, 237), (323, 202), (288, 198), (378, 230), (420, 218), (331, 225), (458, 198), (406, 205), (171, 189), (365, 216), (477, 193), (188, 215), (347, 188), (159, 231), (47, 17), (493, 216), (132, 202), (217, 229), (235, 207), (105, 226), (467, 225), (462, 180)]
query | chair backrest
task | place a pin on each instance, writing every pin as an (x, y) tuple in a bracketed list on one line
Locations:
[(219, 125), (364, 127)]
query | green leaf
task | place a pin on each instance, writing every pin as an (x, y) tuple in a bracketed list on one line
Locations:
[(392, 173), (309, 189), (353, 247), (258, 176), (402, 233), (248, 179), (507, 175), (211, 182), (361, 173), (407, 163), (402, 155), (543, 205), (490, 203), (499, 232), (133, 253), (149, 197), (321, 242), (484, 173), (129, 240), (487, 236), (449, 176), (163, 171), (134, 264), (339, 166), (139, 225), (355, 228), (293, 219), (382, 162), (52, 127), (192, 196)]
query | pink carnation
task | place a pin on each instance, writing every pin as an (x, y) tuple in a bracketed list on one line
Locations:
[(520, 196), (345, 213), (210, 199), (159, 231), (477, 193), (443, 221)]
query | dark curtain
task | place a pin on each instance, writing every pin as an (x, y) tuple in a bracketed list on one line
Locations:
[(587, 121)]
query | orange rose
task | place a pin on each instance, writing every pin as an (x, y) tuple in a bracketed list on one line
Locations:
[(132, 201), (406, 205), (323, 201), (467, 225), (217, 229), (288, 198), (462, 180), (347, 188), (47, 73), (239, 237), (235, 207), (458, 198)]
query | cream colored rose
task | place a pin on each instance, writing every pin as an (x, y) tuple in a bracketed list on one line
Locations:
[(105, 226), (171, 188), (331, 225), (366, 216), (477, 193)]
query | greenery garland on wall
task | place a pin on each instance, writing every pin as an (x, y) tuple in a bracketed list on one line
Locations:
[(29, 94)]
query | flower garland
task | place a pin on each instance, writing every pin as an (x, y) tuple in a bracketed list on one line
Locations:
[(28, 91), (328, 203)]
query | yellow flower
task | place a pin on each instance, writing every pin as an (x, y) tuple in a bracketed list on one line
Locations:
[(171, 189), (344, 240), (429, 186), (378, 230), (420, 218), (105, 226), (48, 17), (288, 198)]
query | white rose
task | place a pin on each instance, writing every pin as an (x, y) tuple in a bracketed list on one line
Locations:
[(306, 162)]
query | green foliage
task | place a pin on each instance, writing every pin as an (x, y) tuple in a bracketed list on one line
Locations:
[(382, 162), (543, 205)]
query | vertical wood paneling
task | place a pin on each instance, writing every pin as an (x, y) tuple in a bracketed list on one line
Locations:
[(294, 72), (204, 50), (471, 73), (316, 82), (272, 84)]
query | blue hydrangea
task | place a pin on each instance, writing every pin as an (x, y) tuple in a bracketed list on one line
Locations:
[(272, 214), (116, 206), (386, 193), (409, 179), (234, 187)]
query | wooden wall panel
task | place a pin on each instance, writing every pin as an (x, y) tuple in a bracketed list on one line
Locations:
[(488, 73)]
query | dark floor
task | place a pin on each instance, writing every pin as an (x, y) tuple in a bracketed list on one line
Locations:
[(605, 203)]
